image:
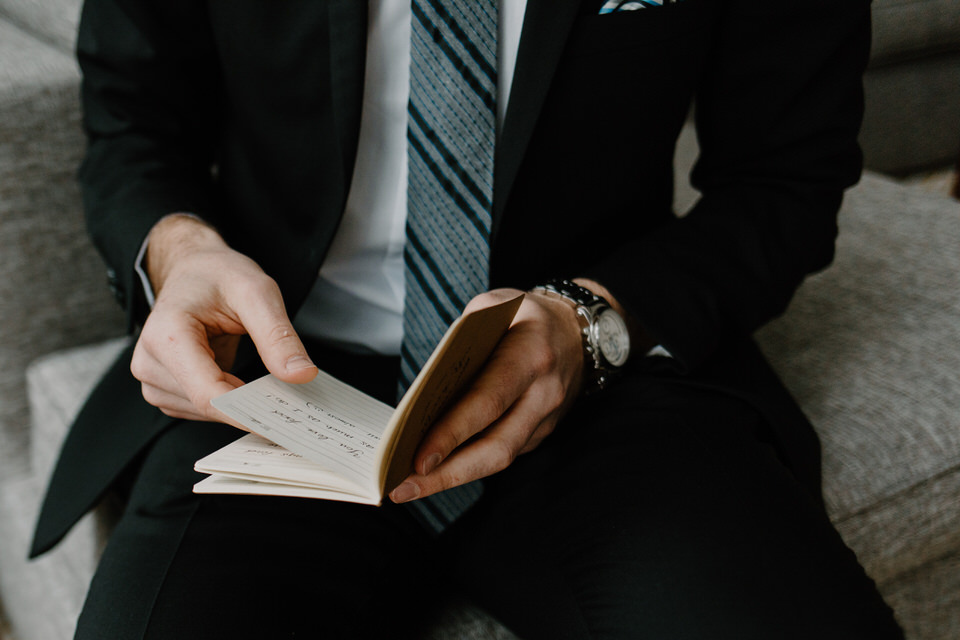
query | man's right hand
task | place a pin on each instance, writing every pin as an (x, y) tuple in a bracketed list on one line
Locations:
[(207, 296)]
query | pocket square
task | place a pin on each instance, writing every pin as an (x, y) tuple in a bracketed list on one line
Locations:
[(612, 6)]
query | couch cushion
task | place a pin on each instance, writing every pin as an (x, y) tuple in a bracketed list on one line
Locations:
[(30, 65), (927, 603), (911, 120), (53, 292), (53, 21), (43, 597), (871, 346), (906, 29), (57, 385), (871, 350)]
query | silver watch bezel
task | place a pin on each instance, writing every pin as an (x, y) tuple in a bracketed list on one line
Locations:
[(598, 329)]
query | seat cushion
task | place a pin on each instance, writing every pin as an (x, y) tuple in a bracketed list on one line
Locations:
[(53, 21), (908, 29), (871, 350), (52, 292)]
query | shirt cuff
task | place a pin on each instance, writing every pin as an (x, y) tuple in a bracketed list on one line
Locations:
[(142, 274), (148, 293), (659, 350)]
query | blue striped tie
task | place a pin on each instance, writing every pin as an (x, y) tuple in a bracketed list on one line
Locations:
[(451, 134)]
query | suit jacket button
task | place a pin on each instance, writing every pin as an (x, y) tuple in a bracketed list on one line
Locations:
[(114, 283)]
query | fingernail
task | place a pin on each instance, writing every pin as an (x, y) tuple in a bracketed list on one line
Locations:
[(431, 463), (299, 363), (406, 492)]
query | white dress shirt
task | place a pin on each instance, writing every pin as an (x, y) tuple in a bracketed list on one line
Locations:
[(357, 301)]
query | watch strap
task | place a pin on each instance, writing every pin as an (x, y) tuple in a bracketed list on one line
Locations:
[(588, 306)]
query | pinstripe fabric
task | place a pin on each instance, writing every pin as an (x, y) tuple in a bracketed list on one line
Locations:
[(451, 134)]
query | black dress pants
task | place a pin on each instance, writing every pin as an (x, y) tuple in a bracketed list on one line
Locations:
[(654, 511)]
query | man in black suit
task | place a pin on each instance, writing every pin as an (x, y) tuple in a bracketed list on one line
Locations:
[(682, 500)]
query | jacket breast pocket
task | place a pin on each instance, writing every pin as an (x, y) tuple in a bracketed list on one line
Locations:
[(623, 30)]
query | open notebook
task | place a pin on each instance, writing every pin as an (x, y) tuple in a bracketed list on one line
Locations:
[(326, 439)]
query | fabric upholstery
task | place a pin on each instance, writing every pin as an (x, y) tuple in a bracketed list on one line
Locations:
[(912, 119), (51, 21), (927, 601), (895, 138), (50, 272), (905, 29), (864, 348)]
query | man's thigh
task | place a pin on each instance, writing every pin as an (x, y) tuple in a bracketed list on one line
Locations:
[(662, 512), (184, 566)]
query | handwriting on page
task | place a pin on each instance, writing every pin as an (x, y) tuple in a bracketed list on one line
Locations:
[(331, 423), (322, 424)]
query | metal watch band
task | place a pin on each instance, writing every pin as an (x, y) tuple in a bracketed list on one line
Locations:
[(588, 306)]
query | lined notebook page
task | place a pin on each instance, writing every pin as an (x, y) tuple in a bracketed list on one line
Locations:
[(329, 422)]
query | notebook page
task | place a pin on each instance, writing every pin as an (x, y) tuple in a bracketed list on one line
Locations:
[(325, 420), (257, 459)]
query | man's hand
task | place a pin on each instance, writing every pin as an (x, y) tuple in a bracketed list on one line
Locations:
[(529, 383), (207, 296)]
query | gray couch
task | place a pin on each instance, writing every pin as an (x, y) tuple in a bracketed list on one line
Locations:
[(871, 347)]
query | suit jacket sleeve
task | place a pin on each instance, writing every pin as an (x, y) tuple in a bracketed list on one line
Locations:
[(149, 98), (778, 109)]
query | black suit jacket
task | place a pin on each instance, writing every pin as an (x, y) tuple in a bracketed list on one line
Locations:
[(247, 113)]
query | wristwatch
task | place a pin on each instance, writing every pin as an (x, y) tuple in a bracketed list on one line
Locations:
[(606, 341)]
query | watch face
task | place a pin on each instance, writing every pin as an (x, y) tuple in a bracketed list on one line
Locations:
[(612, 338)]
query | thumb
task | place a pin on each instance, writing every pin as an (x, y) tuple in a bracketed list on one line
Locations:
[(276, 340)]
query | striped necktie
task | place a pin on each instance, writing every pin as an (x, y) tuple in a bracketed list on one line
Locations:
[(450, 136)]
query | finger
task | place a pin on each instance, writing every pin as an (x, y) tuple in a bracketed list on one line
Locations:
[(265, 319), (487, 400), (170, 396), (489, 397), (494, 451), (161, 389), (149, 371), (176, 406), (187, 356), (172, 404), (490, 298), (507, 377), (539, 435)]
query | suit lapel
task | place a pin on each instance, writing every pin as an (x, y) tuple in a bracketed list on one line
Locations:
[(546, 26)]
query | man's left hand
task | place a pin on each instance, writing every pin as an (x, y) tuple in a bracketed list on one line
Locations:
[(528, 384)]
